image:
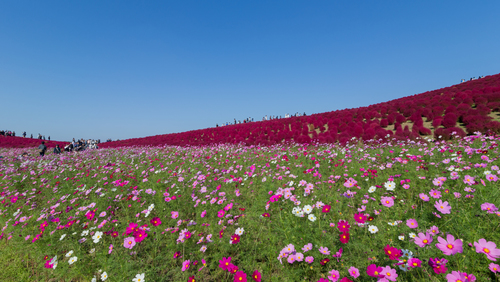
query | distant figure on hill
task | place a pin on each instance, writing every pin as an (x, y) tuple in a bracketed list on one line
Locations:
[(57, 150), (24, 134), (49, 137), (31, 136), (42, 148)]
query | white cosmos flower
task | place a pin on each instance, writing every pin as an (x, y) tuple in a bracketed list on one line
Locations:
[(62, 237), (372, 189), (311, 217), (139, 278), (373, 229), (307, 209), (97, 236), (412, 235), (69, 253), (239, 231), (72, 260), (390, 185), (104, 276), (402, 238)]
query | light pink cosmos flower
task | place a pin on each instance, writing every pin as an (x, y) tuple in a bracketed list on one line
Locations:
[(435, 194), (434, 230), (443, 207), (185, 265), (423, 240), (491, 177), (450, 246), (468, 179), (324, 250), (488, 248), (299, 256), (175, 214), (389, 273), (387, 202), (307, 247), (489, 207), (495, 268), (424, 197), (129, 242), (291, 259), (456, 276), (309, 259), (412, 223), (354, 272)]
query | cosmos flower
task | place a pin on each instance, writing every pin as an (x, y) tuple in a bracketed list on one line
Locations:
[(450, 246)]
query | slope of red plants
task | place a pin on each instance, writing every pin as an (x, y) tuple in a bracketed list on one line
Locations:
[(463, 108)]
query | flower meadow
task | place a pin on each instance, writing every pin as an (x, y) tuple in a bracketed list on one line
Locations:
[(388, 210)]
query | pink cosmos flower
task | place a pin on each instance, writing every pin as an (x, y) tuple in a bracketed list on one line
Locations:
[(334, 275), (185, 265), (129, 242), (488, 248), (156, 221), (309, 259), (338, 254), (324, 250), (110, 248), (291, 259), (175, 214), (299, 256), (495, 268), (444, 208), (412, 223), (203, 213), (435, 194), (469, 180), (456, 276), (354, 272), (434, 230), (489, 207), (450, 246), (491, 177), (307, 247), (424, 197), (387, 201), (423, 240), (389, 273)]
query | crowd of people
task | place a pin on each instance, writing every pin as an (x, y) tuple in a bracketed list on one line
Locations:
[(250, 119), (82, 144), (472, 78), (13, 134)]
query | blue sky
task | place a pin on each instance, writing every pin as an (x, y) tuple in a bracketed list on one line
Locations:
[(124, 69)]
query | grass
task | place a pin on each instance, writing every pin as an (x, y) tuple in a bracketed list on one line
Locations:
[(246, 176)]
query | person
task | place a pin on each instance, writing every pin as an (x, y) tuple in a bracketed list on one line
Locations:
[(49, 137), (57, 150), (31, 136), (24, 134), (42, 148)]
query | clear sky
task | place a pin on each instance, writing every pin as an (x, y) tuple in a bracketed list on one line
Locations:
[(124, 69)]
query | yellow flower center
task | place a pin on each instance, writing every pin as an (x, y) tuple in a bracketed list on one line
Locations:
[(449, 246), (425, 241), (486, 250)]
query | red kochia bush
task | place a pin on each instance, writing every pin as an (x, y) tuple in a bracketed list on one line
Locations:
[(449, 120)]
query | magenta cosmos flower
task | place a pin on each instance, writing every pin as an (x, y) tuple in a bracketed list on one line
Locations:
[(129, 242), (450, 246), (334, 275), (360, 217), (423, 240), (387, 202), (343, 226), (240, 276), (412, 223), (444, 208), (374, 271), (487, 248), (224, 263), (495, 268)]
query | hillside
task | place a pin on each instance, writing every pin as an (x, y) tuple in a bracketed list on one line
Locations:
[(20, 142), (463, 108)]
